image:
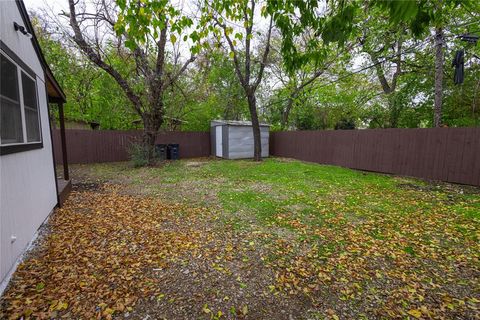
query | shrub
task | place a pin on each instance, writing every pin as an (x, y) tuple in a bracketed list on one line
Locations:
[(138, 154), (345, 124)]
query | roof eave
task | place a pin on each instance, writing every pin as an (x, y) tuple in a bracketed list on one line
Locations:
[(57, 95)]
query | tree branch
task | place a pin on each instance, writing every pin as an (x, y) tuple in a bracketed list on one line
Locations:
[(248, 32), (263, 63), (97, 59), (161, 51), (236, 61), (398, 62), (380, 74), (173, 79)]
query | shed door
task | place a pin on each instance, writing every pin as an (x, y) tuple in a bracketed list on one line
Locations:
[(218, 141)]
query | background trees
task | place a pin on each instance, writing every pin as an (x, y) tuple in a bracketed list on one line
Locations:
[(236, 22), (140, 33), (371, 63), (93, 96)]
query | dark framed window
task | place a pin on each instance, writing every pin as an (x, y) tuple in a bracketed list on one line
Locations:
[(20, 128), (10, 109), (30, 105)]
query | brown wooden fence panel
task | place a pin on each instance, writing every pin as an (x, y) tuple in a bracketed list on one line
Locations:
[(89, 146), (448, 154)]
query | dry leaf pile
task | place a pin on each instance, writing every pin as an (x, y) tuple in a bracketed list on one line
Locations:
[(98, 257), (109, 254)]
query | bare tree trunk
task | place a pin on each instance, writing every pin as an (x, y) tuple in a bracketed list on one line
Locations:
[(148, 142), (257, 141), (291, 99), (439, 41), (151, 125), (286, 114), (393, 110), (149, 104)]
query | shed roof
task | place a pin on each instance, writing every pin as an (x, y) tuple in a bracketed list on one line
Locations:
[(54, 91), (215, 123)]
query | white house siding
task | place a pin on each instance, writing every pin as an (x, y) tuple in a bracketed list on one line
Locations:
[(27, 183), (17, 42)]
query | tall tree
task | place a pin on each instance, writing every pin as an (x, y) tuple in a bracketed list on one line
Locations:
[(294, 82), (93, 96), (234, 20), (385, 46), (141, 30), (334, 23), (439, 66)]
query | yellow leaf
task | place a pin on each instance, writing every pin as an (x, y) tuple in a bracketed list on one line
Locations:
[(244, 310), (61, 306), (109, 311), (52, 305), (173, 38), (415, 313), (206, 309)]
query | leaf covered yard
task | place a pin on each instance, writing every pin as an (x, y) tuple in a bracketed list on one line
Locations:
[(279, 239)]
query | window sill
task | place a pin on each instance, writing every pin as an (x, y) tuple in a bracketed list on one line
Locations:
[(20, 148)]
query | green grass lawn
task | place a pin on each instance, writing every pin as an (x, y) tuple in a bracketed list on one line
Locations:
[(329, 242), (275, 186)]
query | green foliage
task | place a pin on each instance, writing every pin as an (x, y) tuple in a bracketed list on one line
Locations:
[(138, 155), (345, 124), (92, 95), (419, 14), (377, 29), (311, 35), (335, 22), (141, 20), (209, 92)]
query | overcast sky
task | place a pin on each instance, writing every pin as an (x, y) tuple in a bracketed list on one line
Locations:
[(40, 4)]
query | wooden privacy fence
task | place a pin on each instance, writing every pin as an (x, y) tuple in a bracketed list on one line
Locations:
[(447, 154), (88, 146)]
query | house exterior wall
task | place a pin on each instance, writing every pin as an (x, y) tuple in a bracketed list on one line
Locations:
[(27, 182), (240, 142), (17, 42)]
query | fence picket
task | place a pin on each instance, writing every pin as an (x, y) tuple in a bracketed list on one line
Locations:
[(448, 154)]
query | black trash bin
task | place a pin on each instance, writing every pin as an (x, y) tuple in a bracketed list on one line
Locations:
[(161, 151), (173, 151)]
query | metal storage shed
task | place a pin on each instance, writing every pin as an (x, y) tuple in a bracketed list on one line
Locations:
[(234, 139)]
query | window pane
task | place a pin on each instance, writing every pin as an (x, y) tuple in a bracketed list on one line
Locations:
[(11, 121), (29, 92), (31, 113), (8, 79), (33, 130)]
